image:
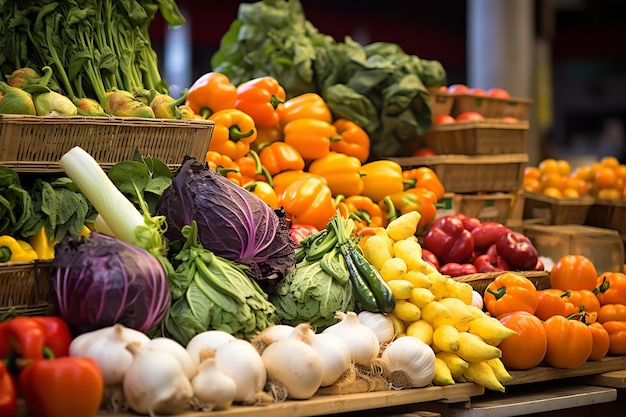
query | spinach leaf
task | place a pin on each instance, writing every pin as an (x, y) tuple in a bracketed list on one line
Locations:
[(15, 202)]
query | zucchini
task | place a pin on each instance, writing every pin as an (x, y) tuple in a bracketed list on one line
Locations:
[(364, 295), (383, 294)]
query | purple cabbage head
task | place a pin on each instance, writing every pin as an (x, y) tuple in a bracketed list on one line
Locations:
[(100, 280), (232, 222)]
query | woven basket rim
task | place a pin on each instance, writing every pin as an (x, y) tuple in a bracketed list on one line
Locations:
[(493, 275)]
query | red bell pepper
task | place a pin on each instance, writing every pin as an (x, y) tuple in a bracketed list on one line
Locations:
[(62, 387), (448, 239), (300, 231), (8, 393), (28, 337)]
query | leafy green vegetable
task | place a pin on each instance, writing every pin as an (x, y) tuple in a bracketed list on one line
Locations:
[(211, 292), (15, 202), (378, 86), (58, 206), (310, 295)]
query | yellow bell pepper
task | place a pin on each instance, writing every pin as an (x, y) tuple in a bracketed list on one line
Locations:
[(381, 178), (233, 133), (42, 244), (310, 137), (16, 250), (342, 172), (305, 106)]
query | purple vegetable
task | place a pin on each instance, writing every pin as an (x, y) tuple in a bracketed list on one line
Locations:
[(232, 222), (100, 280)]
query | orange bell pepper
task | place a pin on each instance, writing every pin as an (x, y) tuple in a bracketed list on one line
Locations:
[(381, 178), (612, 312), (428, 199), (617, 337), (364, 212), (308, 201), (601, 341), (252, 169), (305, 106), (570, 342), (354, 140), (264, 191), (510, 292), (285, 178), (611, 288), (266, 135), (224, 166), (280, 156), (260, 98), (584, 300), (211, 93), (396, 204), (553, 301), (424, 177), (310, 137), (342, 173), (233, 133), (67, 386)]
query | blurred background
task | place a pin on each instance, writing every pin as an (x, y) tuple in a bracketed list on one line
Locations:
[(568, 56)]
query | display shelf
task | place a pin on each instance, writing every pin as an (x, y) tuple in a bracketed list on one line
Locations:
[(333, 404), (614, 379), (545, 373)]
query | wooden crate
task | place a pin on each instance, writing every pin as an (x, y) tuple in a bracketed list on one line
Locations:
[(491, 107), (610, 214), (490, 207), (440, 101), (487, 137), (24, 288), (35, 144), (473, 173), (556, 210)]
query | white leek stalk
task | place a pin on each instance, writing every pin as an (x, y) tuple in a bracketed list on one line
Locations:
[(118, 212)]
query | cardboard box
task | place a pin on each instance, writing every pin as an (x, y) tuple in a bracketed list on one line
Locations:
[(603, 247)]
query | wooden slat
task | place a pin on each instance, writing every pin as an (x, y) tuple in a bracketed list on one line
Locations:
[(544, 373), (615, 379), (543, 400), (334, 404)]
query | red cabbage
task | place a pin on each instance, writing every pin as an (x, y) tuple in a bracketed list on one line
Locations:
[(232, 222), (100, 280)]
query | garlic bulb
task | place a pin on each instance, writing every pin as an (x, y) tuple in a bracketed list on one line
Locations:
[(294, 364), (477, 299), (270, 335), (209, 339), (380, 324), (171, 346), (335, 356), (213, 389), (409, 363), (239, 360), (107, 346), (155, 383), (361, 340)]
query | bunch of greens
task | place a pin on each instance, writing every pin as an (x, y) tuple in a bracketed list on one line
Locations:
[(211, 292), (93, 46), (15, 202), (378, 86)]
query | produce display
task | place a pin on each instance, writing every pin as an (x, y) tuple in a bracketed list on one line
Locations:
[(294, 258)]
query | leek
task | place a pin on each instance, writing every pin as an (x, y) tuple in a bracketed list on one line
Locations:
[(119, 214)]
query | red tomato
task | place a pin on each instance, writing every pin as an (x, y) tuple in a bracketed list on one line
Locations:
[(457, 89), (470, 116), (443, 119), (424, 152), (509, 119), (498, 92), (477, 91), (573, 272)]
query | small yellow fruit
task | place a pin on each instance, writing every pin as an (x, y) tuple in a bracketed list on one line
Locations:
[(404, 226), (406, 311), (422, 330), (401, 288), (393, 268)]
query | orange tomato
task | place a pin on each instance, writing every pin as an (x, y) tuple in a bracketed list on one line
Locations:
[(563, 166), (552, 192), (573, 272), (570, 342), (470, 116), (532, 172), (527, 348), (498, 92), (601, 341), (457, 89), (477, 91), (610, 161), (552, 179), (569, 192), (443, 119), (609, 193), (548, 165), (605, 177), (531, 184)]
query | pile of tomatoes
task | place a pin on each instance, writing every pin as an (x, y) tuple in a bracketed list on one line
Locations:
[(605, 179)]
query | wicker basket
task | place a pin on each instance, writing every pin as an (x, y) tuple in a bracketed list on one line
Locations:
[(556, 210), (35, 144), (491, 107), (610, 214), (479, 282), (473, 173), (24, 288), (489, 137)]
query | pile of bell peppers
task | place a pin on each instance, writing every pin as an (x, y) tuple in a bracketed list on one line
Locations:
[(312, 162), (562, 327), (35, 366)]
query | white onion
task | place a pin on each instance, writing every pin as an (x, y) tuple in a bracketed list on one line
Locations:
[(210, 339)]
